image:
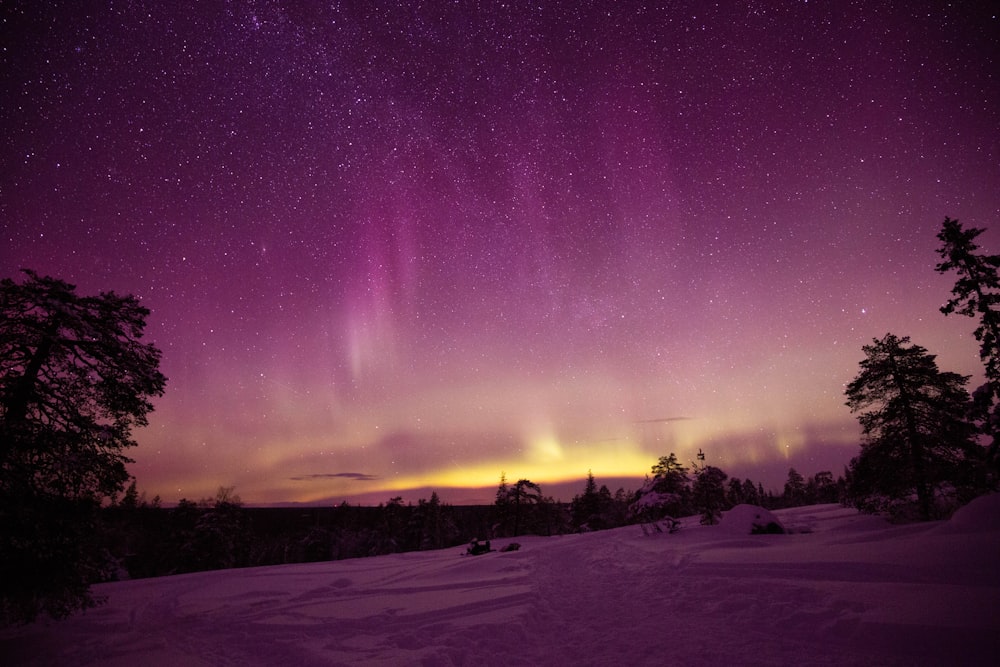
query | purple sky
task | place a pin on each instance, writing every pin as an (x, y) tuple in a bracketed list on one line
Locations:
[(390, 249)]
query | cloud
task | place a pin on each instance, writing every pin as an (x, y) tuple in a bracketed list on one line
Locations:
[(663, 420), (357, 476)]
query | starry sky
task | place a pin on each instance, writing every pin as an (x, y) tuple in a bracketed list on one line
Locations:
[(391, 247)]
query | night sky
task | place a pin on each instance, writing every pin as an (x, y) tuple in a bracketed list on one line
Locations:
[(392, 249)]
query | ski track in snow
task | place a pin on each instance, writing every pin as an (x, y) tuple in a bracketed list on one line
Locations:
[(845, 589)]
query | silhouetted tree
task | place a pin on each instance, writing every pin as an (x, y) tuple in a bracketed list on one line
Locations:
[(524, 495), (588, 507), (547, 517), (670, 477), (734, 492), (390, 536), (502, 508), (977, 294), (136, 531), (821, 488), (433, 524), (915, 435), (668, 493), (795, 488), (709, 493), (130, 499), (219, 538), (619, 506), (74, 381), (522, 508)]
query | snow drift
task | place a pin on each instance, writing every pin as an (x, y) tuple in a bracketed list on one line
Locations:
[(839, 589)]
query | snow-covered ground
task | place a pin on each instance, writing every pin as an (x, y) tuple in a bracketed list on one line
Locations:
[(843, 588)]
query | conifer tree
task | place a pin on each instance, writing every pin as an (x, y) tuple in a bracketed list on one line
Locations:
[(524, 495), (670, 476), (586, 508), (795, 488), (502, 507), (709, 493), (915, 434), (976, 294), (734, 492), (668, 493), (75, 379)]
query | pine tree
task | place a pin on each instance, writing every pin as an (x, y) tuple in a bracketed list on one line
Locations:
[(824, 488), (976, 294), (734, 492), (668, 493), (75, 379), (709, 493), (912, 417), (795, 488), (432, 530), (670, 476), (586, 508), (502, 507), (524, 495)]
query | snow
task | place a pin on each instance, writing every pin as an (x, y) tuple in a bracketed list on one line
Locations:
[(747, 519), (840, 589)]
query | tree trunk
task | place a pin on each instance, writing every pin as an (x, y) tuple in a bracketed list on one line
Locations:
[(16, 402), (914, 443)]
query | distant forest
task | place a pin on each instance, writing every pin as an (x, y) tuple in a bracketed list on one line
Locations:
[(144, 539)]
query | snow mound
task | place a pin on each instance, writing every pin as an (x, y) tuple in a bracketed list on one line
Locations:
[(652, 500), (982, 515), (751, 519)]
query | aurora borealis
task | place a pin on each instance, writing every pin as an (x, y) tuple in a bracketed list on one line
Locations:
[(389, 247)]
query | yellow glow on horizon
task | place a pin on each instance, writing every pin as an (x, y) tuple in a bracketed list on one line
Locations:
[(626, 460), (358, 460)]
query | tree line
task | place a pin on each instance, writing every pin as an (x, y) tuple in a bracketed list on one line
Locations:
[(141, 538), (144, 539), (76, 378)]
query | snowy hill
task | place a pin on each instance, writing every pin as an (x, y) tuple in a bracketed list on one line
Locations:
[(840, 589)]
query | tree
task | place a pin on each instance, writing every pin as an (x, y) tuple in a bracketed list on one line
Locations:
[(670, 476), (976, 294), (668, 493), (619, 506), (502, 507), (916, 437), (391, 538), (821, 488), (605, 507), (75, 379), (586, 509), (709, 493), (549, 516), (734, 492), (219, 540), (431, 525), (522, 496), (795, 488)]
